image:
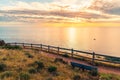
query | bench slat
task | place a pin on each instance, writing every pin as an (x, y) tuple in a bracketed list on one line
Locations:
[(74, 64)]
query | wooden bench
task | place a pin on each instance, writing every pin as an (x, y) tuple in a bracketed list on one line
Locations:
[(83, 67)]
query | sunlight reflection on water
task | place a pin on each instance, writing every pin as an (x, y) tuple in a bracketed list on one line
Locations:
[(103, 40)]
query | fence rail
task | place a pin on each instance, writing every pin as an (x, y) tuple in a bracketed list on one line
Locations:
[(72, 52)]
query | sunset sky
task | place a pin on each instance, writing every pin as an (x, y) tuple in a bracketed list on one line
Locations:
[(60, 12)]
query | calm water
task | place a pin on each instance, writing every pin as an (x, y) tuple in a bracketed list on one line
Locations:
[(102, 40)]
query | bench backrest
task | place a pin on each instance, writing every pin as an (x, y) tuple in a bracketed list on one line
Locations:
[(83, 66), (76, 64)]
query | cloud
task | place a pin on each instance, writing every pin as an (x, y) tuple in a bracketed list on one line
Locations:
[(75, 5), (107, 6), (62, 11), (37, 15), (115, 11)]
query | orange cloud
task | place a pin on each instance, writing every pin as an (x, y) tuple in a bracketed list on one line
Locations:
[(62, 11)]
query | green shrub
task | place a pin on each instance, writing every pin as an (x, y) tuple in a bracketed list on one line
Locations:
[(76, 77), (2, 66), (19, 69), (29, 55), (0, 47), (24, 76), (94, 72), (106, 76), (11, 47), (97, 63), (32, 65), (40, 65), (6, 74), (32, 70), (52, 69), (65, 55), (49, 78), (60, 60)]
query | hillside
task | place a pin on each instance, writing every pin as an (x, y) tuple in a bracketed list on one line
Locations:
[(32, 65)]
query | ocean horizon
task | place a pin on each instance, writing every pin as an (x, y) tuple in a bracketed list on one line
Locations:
[(102, 40)]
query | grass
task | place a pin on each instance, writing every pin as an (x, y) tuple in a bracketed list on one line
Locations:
[(18, 66), (112, 65), (6, 74), (23, 76), (109, 77), (10, 47)]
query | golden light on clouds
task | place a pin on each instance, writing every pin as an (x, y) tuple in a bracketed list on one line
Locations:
[(61, 12)]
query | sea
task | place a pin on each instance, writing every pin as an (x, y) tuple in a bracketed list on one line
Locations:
[(101, 40)]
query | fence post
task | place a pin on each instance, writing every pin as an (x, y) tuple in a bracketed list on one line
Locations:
[(23, 45), (15, 43), (31, 45), (58, 50), (41, 46), (72, 51), (93, 58), (48, 48)]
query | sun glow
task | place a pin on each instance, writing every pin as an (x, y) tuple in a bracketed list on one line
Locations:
[(71, 32)]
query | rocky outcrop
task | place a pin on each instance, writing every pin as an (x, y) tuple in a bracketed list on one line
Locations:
[(2, 42)]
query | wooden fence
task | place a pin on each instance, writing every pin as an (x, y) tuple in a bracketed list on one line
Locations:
[(91, 56)]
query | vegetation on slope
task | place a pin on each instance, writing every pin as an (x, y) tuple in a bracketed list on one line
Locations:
[(31, 65)]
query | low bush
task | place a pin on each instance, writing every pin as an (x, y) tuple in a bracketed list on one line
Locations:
[(60, 60), (2, 67), (65, 55), (97, 63), (52, 69), (4, 59), (6, 74), (32, 70), (29, 55), (40, 65), (108, 77), (76, 77), (24, 76), (49, 78), (93, 72), (19, 69), (11, 47)]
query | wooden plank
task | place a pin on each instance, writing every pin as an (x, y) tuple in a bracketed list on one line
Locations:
[(53, 47), (83, 52), (44, 45), (108, 61), (64, 49), (106, 56)]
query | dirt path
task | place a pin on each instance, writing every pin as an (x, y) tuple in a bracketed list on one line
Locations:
[(100, 68)]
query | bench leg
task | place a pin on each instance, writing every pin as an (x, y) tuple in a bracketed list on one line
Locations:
[(83, 69), (73, 67)]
